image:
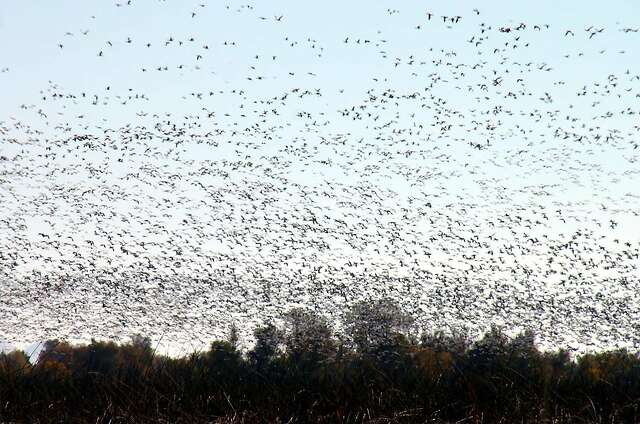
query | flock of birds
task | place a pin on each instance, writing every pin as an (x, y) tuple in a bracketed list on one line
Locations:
[(473, 181)]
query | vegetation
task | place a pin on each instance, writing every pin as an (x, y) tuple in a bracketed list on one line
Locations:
[(379, 369)]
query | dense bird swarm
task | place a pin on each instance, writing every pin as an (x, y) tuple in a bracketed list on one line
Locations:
[(204, 177)]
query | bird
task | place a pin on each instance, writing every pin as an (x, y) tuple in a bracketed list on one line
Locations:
[(469, 171)]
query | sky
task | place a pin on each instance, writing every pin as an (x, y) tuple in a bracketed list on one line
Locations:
[(277, 87)]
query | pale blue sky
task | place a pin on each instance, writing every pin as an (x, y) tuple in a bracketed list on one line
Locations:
[(32, 30), (36, 67)]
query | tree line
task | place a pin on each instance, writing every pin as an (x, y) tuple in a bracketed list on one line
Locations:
[(375, 369)]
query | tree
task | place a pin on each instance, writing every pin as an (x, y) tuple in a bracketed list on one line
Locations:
[(98, 357), (136, 357), (306, 333), (456, 342), (267, 345), (375, 325), (56, 350), (13, 364), (234, 336), (491, 346)]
